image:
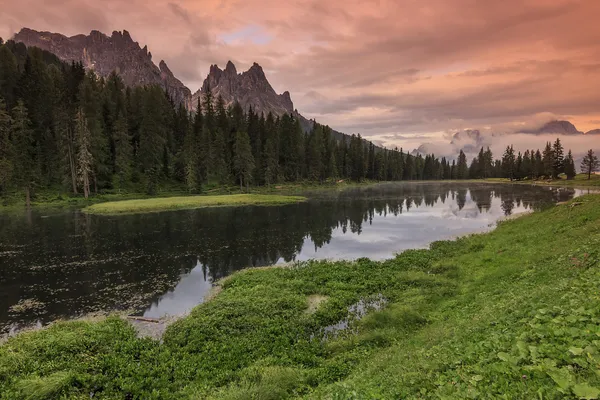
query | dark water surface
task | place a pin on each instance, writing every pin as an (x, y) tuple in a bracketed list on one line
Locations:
[(64, 264)]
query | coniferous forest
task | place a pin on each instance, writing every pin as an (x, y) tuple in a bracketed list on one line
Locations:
[(67, 129)]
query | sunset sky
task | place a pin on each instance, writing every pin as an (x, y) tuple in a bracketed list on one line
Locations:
[(399, 72)]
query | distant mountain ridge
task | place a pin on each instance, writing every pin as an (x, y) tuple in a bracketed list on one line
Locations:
[(556, 127), (559, 127), (105, 54)]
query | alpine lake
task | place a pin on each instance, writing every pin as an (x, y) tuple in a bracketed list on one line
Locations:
[(64, 264)]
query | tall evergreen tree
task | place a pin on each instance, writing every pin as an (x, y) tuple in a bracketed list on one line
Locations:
[(25, 172), (152, 137), (570, 166), (9, 75), (548, 161), (462, 167), (243, 161), (219, 165), (123, 154), (6, 165), (590, 164), (508, 163), (85, 159), (558, 165), (315, 153)]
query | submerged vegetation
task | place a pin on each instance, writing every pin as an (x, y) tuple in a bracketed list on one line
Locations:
[(188, 202), (509, 313)]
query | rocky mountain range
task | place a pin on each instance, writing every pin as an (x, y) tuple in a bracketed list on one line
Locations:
[(119, 52), (105, 54), (250, 88)]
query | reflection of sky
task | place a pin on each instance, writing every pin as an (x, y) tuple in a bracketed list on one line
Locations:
[(385, 236), (188, 293), (416, 228)]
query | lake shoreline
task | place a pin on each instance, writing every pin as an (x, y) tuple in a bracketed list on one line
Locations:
[(467, 300), (58, 199)]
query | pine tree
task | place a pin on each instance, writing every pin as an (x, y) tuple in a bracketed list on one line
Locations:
[(9, 75), (487, 164), (548, 161), (538, 164), (243, 161), (508, 163), (462, 167), (558, 165), (590, 164), (85, 159), (123, 154), (314, 155), (191, 176), (152, 137), (6, 166), (527, 165), (219, 165), (25, 173), (570, 166), (519, 174), (270, 160)]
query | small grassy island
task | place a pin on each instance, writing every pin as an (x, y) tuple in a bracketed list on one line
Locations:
[(188, 202), (514, 313)]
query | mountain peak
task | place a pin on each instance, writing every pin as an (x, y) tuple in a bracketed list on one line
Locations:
[(250, 89), (257, 71), (164, 68), (106, 54), (230, 68)]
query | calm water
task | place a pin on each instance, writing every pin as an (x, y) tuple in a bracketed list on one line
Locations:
[(63, 264)]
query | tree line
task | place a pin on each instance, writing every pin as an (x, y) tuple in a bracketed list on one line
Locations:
[(63, 127)]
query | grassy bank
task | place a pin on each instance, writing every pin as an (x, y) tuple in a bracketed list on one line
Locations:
[(580, 181), (188, 202), (57, 198), (514, 313)]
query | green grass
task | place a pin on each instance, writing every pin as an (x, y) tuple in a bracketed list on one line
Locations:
[(514, 313), (188, 202)]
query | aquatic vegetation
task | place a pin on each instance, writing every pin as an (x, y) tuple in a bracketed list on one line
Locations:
[(188, 202), (514, 312)]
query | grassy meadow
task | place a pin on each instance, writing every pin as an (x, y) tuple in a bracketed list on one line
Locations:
[(514, 313), (188, 202)]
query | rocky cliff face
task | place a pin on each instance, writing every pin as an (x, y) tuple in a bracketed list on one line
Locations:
[(105, 54), (250, 89)]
